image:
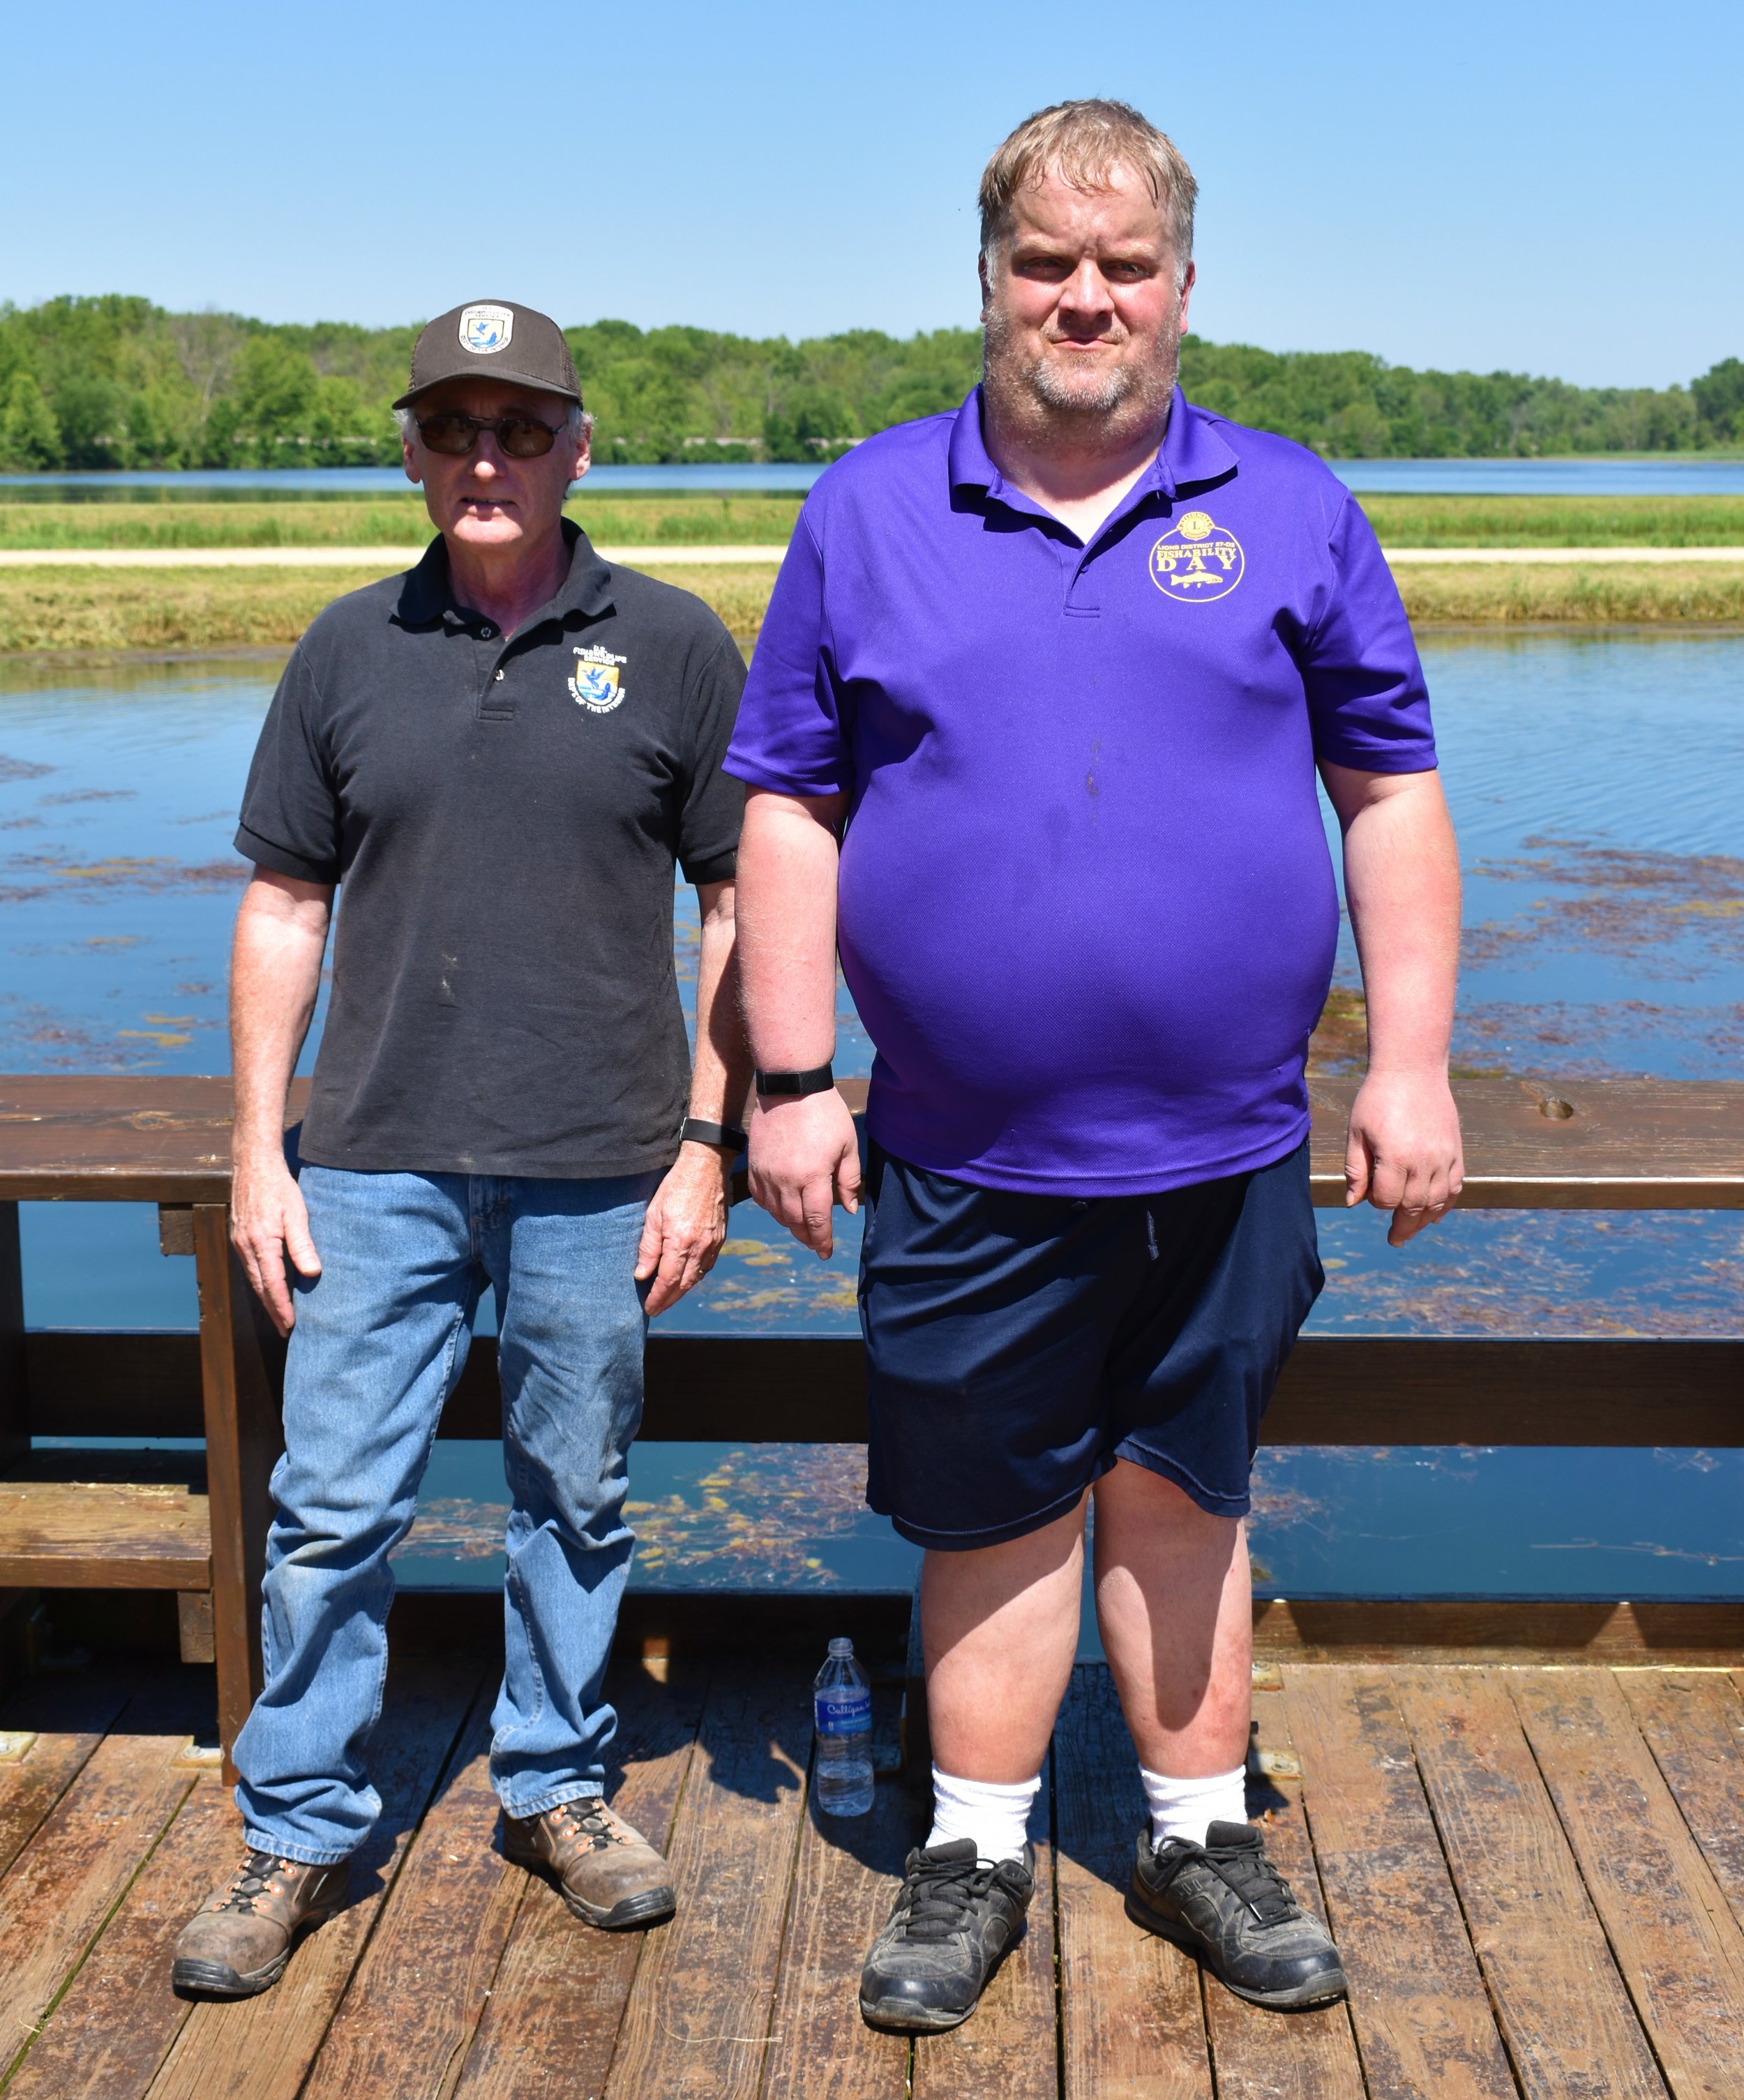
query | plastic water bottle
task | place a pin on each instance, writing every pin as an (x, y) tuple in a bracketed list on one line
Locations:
[(841, 1708)]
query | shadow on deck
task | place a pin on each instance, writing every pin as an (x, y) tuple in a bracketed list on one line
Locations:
[(1536, 1875)]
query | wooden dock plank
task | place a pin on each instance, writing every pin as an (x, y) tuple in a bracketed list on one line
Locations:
[(1693, 1721), (1260, 2055), (69, 1717), (1008, 2049), (1676, 1941), (408, 2016), (1418, 2002), (698, 2018), (551, 2022), (119, 2018), (1563, 2012), (1134, 2022), (849, 1869), (77, 1868), (261, 2049)]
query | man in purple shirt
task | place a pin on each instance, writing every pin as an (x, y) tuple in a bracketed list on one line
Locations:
[(1031, 737)]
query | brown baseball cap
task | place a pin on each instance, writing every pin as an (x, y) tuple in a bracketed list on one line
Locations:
[(492, 339)]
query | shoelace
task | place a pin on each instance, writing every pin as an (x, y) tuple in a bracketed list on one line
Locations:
[(1257, 1882), (943, 1894), (252, 1880), (595, 1825)]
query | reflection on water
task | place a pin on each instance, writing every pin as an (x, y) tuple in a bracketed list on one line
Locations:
[(1596, 783)]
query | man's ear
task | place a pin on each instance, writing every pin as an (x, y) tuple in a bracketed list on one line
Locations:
[(413, 474), (1187, 283), (986, 289)]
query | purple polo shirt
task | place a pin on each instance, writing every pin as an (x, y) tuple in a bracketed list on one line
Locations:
[(1087, 911)]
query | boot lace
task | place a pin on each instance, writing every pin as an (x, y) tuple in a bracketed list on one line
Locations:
[(943, 1892), (596, 1825), (252, 1880)]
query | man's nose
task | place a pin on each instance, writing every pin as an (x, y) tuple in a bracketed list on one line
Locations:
[(1085, 293)]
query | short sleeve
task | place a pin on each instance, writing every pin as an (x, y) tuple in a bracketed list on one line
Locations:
[(713, 804), (1366, 698), (791, 735), (290, 808)]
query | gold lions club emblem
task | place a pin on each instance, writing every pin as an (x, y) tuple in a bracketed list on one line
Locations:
[(1198, 561)]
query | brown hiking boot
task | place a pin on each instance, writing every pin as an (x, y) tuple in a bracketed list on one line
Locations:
[(605, 1870), (239, 1940)]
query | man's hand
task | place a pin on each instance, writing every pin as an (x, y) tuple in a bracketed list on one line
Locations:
[(1404, 1153), (269, 1224), (686, 1224), (805, 1159)]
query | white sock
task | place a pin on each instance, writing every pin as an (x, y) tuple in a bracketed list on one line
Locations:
[(996, 1816), (1186, 1807)]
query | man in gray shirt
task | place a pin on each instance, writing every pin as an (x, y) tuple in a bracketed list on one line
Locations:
[(497, 758)]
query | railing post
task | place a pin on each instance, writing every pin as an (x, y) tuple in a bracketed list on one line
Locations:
[(241, 1375)]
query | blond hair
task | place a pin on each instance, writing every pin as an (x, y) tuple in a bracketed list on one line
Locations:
[(1083, 143)]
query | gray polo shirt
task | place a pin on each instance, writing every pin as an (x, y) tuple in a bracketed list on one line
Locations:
[(502, 818)]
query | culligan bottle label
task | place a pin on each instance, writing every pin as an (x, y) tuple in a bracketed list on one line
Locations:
[(843, 1709)]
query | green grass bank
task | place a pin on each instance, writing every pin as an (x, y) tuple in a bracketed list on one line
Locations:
[(660, 519), (55, 609)]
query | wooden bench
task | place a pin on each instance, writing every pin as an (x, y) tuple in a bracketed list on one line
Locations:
[(1610, 1144)]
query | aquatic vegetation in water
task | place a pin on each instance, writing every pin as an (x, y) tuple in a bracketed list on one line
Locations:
[(152, 872), (1598, 1041), (1622, 901), (755, 1519), (1666, 1273), (758, 1515)]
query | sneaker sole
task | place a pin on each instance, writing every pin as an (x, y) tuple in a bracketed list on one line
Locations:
[(901, 2016), (1326, 1990)]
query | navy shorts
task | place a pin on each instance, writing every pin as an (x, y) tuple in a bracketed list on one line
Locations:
[(1018, 1344)]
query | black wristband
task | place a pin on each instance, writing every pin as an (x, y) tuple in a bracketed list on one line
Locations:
[(819, 1080), (727, 1135)]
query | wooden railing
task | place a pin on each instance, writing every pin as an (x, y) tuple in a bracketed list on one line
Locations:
[(1611, 1144)]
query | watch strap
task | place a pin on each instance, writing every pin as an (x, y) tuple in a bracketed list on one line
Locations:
[(727, 1135), (819, 1080)]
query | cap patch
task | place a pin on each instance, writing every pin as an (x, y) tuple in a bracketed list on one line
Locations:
[(483, 329)]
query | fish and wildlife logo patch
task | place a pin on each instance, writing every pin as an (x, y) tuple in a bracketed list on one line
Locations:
[(598, 683), (1198, 562), (483, 329)]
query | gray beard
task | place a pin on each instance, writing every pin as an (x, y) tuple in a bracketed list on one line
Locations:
[(1033, 398)]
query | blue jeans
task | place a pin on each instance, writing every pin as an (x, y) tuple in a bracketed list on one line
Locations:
[(381, 1336)]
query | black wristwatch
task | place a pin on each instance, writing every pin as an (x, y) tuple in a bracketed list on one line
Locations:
[(728, 1136), (819, 1080)]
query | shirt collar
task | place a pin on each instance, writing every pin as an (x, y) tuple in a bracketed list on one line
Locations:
[(427, 594), (1192, 456)]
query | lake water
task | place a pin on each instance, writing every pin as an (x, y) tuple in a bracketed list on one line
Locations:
[(1596, 784), (1667, 474)]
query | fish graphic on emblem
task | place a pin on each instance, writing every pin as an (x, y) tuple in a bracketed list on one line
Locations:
[(483, 329), (1198, 562), (596, 685)]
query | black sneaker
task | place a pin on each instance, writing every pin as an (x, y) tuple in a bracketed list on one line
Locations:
[(1225, 1902), (954, 1918)]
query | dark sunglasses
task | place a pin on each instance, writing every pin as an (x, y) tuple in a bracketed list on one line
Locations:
[(521, 437)]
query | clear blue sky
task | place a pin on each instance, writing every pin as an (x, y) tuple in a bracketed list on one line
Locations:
[(1555, 189)]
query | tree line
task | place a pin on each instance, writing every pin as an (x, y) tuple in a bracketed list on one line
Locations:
[(115, 382)]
